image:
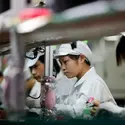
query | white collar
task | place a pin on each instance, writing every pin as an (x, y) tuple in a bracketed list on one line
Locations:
[(87, 75), (59, 75)]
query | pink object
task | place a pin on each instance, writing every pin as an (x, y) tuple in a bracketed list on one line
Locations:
[(33, 13), (50, 99), (90, 99), (60, 117)]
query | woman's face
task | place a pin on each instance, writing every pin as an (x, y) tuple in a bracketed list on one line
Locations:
[(71, 67), (38, 70)]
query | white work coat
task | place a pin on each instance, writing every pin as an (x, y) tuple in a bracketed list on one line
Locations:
[(90, 85), (62, 88), (34, 104)]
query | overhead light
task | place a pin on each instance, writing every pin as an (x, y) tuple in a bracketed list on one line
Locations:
[(31, 25), (112, 38)]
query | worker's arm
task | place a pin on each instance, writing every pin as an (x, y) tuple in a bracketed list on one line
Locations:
[(29, 80), (33, 98), (73, 111), (29, 84), (76, 110)]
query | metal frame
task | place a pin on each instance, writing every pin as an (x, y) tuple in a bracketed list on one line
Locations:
[(48, 61), (16, 92)]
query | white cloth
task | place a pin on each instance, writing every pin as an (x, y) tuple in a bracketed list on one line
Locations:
[(90, 85)]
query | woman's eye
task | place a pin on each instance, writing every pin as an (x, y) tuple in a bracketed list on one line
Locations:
[(65, 61), (35, 66)]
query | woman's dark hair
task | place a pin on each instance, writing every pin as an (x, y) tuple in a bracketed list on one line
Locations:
[(42, 59), (56, 67), (1, 74), (120, 51), (75, 57)]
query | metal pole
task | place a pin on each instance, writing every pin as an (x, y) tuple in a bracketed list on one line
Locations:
[(48, 61), (51, 61), (16, 94)]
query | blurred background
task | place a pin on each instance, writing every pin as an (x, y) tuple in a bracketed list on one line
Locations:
[(100, 32)]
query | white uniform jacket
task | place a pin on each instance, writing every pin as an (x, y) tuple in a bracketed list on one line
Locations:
[(90, 85)]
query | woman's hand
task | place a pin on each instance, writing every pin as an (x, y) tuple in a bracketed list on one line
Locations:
[(95, 108)]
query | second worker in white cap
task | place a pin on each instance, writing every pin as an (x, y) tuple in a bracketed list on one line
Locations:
[(76, 61)]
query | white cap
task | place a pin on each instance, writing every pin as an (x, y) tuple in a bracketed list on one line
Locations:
[(31, 62), (81, 48)]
